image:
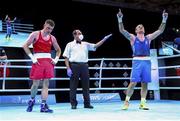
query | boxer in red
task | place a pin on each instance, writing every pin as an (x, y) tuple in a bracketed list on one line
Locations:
[(43, 64)]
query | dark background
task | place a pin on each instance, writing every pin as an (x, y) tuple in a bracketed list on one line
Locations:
[(95, 21)]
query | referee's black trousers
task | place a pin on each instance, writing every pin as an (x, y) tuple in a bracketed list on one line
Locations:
[(80, 70)]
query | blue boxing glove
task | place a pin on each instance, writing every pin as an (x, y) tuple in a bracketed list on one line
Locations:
[(69, 72)]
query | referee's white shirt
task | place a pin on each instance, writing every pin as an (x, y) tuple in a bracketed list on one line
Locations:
[(78, 52)]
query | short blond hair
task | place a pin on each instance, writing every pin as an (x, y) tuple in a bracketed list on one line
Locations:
[(50, 22)]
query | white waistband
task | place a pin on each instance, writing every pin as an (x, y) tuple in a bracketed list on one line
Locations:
[(42, 55), (141, 58)]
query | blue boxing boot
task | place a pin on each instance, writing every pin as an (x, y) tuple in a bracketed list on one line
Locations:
[(31, 103), (45, 108)]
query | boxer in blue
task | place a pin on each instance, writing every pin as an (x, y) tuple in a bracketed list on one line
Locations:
[(141, 64)]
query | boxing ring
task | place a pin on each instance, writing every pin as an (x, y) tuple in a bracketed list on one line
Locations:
[(102, 70), (20, 33)]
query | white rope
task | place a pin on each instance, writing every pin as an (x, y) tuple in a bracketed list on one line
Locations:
[(64, 67), (66, 89), (170, 77), (103, 78), (80, 89), (169, 67), (169, 88), (171, 47), (94, 68), (171, 56), (109, 59)]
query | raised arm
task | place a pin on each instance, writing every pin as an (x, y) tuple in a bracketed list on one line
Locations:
[(161, 27), (128, 35), (6, 17), (98, 44), (14, 19)]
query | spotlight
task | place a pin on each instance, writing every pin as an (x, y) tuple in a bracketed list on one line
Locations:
[(177, 30)]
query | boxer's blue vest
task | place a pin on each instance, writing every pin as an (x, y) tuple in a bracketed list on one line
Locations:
[(141, 48)]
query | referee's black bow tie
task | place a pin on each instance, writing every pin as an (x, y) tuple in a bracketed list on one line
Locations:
[(78, 42)]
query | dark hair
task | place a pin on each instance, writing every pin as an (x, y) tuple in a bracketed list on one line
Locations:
[(74, 32), (50, 22)]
